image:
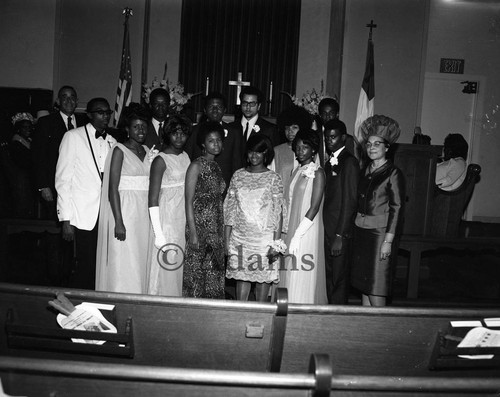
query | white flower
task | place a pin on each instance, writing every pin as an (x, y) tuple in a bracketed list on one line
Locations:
[(309, 170), (225, 133), (334, 173), (278, 246), (334, 161), (152, 154), (256, 128)]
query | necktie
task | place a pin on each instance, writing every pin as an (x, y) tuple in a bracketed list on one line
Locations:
[(246, 132), (99, 135), (70, 124), (160, 126)]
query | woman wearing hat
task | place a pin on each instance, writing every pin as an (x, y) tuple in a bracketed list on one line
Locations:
[(380, 210)]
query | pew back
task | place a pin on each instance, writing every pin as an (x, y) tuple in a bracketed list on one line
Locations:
[(176, 332), (374, 341)]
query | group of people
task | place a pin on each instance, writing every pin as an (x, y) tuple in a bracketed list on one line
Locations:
[(177, 210)]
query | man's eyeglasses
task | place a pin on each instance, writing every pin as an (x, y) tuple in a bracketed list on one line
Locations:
[(374, 144), (248, 104), (102, 112)]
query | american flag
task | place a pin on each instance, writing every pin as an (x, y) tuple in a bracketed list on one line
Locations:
[(124, 90), (366, 100)]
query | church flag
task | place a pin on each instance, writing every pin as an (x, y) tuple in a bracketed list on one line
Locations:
[(367, 96), (124, 90)]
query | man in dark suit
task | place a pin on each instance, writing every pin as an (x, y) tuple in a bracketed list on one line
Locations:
[(45, 146), (339, 208), (251, 123), (159, 102), (328, 109), (229, 159)]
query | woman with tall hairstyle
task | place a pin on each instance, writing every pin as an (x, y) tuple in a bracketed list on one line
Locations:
[(381, 192)]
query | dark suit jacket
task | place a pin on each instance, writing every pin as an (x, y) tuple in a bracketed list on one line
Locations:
[(152, 138), (45, 147), (265, 128), (339, 207), (229, 160), (381, 197)]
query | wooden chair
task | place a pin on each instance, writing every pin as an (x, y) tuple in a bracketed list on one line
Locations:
[(449, 206)]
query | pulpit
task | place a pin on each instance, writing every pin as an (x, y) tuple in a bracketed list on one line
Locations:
[(418, 164)]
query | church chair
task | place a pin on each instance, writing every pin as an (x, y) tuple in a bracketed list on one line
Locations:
[(449, 206)]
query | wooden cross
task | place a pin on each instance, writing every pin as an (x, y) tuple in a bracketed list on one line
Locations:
[(371, 25), (239, 83)]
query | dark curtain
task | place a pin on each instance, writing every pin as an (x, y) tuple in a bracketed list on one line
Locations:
[(259, 38)]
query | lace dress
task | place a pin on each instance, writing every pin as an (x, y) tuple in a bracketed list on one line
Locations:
[(253, 207), (204, 267)]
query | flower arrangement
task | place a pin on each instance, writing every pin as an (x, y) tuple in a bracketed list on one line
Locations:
[(177, 96), (278, 245), (309, 170), (310, 99)]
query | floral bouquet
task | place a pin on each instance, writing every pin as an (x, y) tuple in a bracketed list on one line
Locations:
[(177, 96), (310, 99)]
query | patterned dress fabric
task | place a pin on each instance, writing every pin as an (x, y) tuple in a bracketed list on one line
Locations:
[(204, 267), (122, 266), (253, 207), (166, 268)]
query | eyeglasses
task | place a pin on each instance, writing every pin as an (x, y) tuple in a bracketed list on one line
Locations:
[(374, 144), (248, 104), (102, 112)]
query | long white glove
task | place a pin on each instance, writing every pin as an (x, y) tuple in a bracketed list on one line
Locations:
[(303, 227), (154, 215)]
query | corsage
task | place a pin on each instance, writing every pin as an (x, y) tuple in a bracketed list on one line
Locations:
[(256, 128), (152, 154), (309, 170)]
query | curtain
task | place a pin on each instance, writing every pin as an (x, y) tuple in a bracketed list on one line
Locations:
[(259, 38)]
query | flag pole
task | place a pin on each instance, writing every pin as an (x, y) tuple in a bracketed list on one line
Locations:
[(124, 90), (367, 94), (145, 45)]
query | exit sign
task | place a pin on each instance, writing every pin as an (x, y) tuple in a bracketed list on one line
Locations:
[(448, 65)]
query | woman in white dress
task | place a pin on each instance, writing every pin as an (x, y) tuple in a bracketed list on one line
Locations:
[(304, 276), (125, 238), (167, 209)]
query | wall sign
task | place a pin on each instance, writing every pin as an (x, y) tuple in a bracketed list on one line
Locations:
[(454, 66)]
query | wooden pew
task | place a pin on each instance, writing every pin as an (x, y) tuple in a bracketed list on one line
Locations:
[(374, 341), (37, 377), (157, 331)]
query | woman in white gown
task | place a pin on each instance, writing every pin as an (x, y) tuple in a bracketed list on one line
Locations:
[(304, 276), (125, 238), (167, 209)]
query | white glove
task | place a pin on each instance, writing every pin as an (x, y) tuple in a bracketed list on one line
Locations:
[(303, 227), (154, 215)]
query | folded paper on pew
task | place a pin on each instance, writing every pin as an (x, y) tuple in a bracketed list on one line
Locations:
[(86, 317), (480, 337)]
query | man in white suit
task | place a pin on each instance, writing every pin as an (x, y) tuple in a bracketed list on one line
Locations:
[(78, 182)]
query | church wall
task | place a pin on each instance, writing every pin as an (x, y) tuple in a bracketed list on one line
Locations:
[(27, 29), (398, 41), (471, 31)]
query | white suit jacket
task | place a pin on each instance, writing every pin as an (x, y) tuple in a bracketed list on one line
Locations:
[(78, 182)]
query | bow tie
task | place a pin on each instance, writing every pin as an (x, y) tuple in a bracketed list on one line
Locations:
[(99, 135)]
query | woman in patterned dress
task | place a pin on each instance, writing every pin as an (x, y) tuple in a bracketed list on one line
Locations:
[(252, 217), (166, 208), (204, 259)]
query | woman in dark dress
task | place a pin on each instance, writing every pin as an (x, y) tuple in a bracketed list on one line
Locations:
[(380, 210), (204, 259)]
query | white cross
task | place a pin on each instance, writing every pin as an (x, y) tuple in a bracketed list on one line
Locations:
[(239, 83)]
